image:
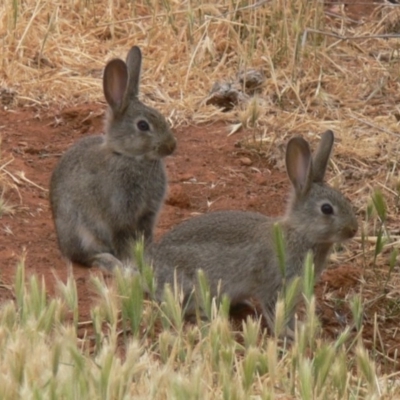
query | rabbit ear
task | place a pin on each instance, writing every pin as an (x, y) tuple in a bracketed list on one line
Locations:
[(299, 165), (321, 156), (134, 63), (115, 80)]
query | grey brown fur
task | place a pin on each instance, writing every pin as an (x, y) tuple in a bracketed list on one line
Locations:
[(236, 249), (107, 190)]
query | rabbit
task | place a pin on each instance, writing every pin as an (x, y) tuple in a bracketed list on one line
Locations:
[(236, 249), (107, 190)]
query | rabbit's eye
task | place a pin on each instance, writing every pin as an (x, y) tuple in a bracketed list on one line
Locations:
[(327, 209), (143, 126)]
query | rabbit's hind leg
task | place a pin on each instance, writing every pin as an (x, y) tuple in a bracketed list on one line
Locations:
[(87, 249), (106, 261)]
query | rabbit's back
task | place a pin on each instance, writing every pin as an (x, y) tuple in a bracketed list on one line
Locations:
[(232, 248), (226, 226)]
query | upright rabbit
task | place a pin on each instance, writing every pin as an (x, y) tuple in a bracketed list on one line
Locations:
[(236, 249), (107, 190)]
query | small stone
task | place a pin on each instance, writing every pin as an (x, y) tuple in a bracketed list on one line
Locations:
[(252, 79), (260, 179), (245, 161), (226, 96)]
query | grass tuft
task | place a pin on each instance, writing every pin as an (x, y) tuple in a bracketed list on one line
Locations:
[(41, 352)]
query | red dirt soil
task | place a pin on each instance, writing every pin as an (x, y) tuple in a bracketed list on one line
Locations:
[(209, 171)]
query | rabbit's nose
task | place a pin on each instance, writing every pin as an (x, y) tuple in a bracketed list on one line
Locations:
[(167, 147), (350, 231), (353, 231), (172, 145)]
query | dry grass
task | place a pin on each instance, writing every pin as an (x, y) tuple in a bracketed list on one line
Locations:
[(321, 71), (43, 356), (7, 182)]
